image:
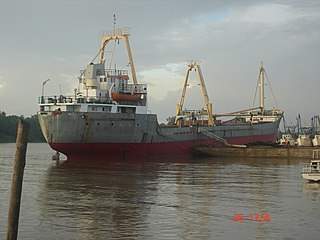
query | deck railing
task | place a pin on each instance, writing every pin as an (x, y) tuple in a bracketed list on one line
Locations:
[(117, 32), (72, 99)]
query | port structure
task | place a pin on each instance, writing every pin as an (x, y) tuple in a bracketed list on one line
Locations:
[(179, 108), (119, 33)]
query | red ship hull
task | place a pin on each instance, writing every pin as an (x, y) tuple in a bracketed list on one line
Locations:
[(110, 151)]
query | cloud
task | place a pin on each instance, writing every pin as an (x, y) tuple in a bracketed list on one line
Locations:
[(1, 85), (269, 13), (229, 37), (162, 79), (2, 81)]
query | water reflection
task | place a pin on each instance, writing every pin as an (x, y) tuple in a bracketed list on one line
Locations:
[(185, 198), (113, 198), (311, 190), (177, 197)]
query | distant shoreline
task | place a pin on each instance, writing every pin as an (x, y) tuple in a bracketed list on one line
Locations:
[(9, 125)]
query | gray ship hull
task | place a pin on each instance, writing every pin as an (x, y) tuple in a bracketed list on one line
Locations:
[(112, 135)]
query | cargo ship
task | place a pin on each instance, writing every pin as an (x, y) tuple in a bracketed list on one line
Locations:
[(108, 116)]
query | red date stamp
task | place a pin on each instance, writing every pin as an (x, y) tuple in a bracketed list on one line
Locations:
[(256, 217)]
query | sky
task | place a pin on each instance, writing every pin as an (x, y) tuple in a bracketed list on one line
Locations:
[(41, 39)]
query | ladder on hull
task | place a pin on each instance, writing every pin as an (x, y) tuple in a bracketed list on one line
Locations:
[(218, 138)]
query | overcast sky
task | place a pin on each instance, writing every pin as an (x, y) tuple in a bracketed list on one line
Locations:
[(42, 39)]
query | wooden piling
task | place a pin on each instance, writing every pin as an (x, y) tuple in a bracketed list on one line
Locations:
[(17, 179)]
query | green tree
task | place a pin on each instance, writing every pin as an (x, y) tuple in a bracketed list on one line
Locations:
[(9, 125)]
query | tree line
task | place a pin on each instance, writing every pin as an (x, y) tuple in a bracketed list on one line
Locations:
[(9, 126)]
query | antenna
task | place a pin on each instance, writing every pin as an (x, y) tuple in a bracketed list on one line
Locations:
[(115, 40), (114, 23)]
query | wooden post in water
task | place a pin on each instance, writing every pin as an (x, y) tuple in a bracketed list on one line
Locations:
[(17, 179)]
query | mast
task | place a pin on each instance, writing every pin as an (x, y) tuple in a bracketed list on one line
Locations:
[(119, 33), (261, 87)]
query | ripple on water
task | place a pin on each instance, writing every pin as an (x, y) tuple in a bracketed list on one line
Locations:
[(168, 199)]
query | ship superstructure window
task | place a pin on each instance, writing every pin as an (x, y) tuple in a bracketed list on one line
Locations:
[(100, 108), (126, 109), (103, 79), (106, 109), (70, 108)]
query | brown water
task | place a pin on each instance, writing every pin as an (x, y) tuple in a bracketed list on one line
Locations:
[(186, 198)]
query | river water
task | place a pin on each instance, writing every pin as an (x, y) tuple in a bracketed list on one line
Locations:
[(185, 198)]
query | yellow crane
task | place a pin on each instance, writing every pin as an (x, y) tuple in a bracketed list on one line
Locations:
[(179, 118), (119, 33)]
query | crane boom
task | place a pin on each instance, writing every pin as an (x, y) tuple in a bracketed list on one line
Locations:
[(120, 33), (194, 65)]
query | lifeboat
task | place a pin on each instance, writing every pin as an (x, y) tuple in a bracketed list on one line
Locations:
[(125, 97)]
